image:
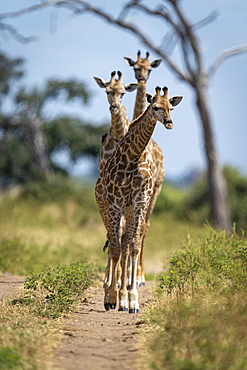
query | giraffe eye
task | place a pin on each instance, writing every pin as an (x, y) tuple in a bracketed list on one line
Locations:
[(156, 108)]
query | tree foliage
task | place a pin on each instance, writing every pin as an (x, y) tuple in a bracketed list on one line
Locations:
[(10, 71), (29, 139)]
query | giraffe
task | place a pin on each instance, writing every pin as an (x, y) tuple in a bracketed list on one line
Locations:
[(142, 68), (126, 186), (115, 89)]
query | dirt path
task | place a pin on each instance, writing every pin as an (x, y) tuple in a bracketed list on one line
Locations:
[(9, 283), (95, 339)]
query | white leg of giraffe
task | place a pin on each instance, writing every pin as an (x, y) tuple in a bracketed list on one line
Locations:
[(129, 269), (140, 210), (123, 293)]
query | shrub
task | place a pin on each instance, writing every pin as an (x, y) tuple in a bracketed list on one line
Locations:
[(169, 200), (53, 291), (217, 261)]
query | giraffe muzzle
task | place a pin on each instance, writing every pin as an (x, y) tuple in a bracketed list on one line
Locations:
[(168, 125), (113, 108)]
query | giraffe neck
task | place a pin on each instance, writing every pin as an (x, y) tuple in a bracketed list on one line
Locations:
[(140, 101), (140, 133), (120, 124)]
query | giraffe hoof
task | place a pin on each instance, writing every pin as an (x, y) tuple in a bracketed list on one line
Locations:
[(138, 285), (133, 310), (123, 309), (143, 284), (112, 306), (128, 287), (107, 306)]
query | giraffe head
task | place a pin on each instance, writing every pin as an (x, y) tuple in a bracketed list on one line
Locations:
[(162, 105), (115, 90), (142, 67)]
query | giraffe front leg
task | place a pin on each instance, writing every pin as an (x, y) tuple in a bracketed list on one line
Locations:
[(139, 215), (114, 252), (123, 293), (140, 279), (135, 247), (113, 289), (107, 285)]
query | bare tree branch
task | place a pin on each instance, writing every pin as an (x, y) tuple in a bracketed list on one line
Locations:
[(14, 33), (223, 56), (80, 7), (27, 10), (209, 19)]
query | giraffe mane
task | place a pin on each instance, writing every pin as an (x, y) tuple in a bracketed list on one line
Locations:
[(136, 121)]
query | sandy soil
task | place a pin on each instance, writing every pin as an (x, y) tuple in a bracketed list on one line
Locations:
[(93, 339), (96, 339), (9, 284)]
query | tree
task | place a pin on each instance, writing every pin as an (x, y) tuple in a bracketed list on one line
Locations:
[(192, 71)]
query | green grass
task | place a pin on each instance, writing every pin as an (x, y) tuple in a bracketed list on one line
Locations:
[(26, 340), (10, 358), (45, 227), (199, 316)]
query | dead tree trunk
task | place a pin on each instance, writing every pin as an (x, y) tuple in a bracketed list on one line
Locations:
[(217, 187), (34, 137)]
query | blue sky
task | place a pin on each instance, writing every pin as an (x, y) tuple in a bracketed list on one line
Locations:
[(85, 46)]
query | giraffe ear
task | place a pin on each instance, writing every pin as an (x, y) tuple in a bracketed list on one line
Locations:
[(156, 63), (129, 61), (149, 98), (102, 83), (175, 100), (131, 87)]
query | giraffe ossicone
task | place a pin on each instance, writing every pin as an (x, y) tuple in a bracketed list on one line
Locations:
[(125, 187)]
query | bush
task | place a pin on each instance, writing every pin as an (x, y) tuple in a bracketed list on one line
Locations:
[(53, 291), (216, 262), (169, 200)]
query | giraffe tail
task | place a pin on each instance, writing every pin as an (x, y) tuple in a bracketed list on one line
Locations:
[(105, 246)]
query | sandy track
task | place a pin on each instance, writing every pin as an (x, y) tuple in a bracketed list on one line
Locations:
[(95, 339), (9, 284)]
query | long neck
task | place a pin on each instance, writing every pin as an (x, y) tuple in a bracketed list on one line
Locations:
[(120, 124), (140, 101), (140, 133)]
